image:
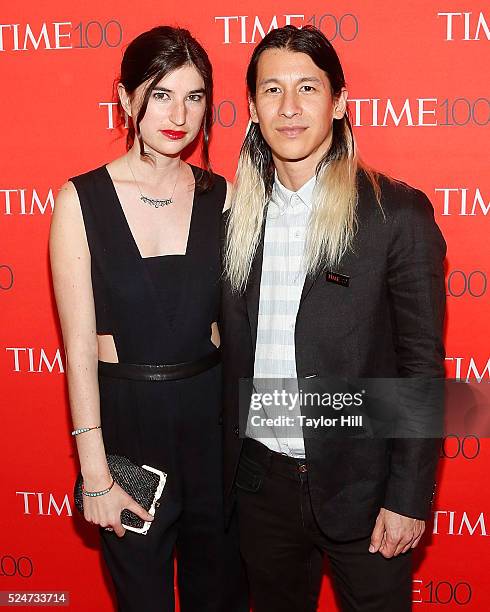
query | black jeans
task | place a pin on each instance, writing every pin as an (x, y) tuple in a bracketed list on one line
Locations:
[(284, 548)]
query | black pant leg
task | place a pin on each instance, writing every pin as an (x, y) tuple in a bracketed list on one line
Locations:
[(284, 566), (210, 571), (211, 575), (283, 547), (142, 568), (137, 419), (367, 582)]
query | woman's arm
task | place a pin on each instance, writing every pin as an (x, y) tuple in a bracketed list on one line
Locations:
[(70, 266)]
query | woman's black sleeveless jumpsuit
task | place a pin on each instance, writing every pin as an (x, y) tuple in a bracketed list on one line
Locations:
[(159, 311)]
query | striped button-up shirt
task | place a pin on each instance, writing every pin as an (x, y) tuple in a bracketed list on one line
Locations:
[(281, 286)]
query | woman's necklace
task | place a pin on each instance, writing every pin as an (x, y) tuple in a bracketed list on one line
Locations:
[(156, 202)]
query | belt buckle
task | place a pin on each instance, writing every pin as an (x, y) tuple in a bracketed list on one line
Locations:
[(302, 468)]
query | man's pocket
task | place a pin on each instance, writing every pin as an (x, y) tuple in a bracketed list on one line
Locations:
[(250, 475)]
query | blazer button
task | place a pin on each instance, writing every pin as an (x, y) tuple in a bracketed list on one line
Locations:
[(236, 431)]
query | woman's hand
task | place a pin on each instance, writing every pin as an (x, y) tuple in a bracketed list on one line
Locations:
[(105, 510)]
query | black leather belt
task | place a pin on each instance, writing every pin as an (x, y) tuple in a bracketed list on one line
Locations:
[(282, 464), (174, 371)]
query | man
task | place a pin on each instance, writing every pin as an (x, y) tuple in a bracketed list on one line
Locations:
[(330, 271)]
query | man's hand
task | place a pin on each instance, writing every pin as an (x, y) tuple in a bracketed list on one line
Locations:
[(394, 533)]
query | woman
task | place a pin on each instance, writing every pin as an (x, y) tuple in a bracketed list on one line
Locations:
[(135, 261)]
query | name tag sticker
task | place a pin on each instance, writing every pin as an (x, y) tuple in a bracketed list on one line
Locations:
[(338, 279)]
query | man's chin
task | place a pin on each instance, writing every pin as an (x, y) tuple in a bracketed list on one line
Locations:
[(291, 156)]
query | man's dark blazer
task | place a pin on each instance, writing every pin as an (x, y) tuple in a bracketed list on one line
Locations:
[(387, 323)]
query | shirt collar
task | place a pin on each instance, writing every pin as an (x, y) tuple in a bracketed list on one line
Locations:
[(283, 197)]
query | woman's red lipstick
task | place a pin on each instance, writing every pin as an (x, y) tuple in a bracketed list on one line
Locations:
[(173, 134)]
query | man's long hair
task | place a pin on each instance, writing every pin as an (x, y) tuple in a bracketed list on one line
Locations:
[(332, 223)]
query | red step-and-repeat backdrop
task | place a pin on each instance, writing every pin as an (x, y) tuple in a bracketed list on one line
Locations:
[(417, 75)]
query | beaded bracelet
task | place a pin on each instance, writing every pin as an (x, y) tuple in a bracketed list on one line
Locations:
[(97, 493), (76, 432)]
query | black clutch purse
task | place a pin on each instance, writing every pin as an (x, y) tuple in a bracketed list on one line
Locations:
[(144, 484)]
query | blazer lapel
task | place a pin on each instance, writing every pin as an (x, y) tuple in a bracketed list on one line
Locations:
[(308, 284)]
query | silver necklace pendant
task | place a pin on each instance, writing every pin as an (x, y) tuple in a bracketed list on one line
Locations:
[(156, 202)]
